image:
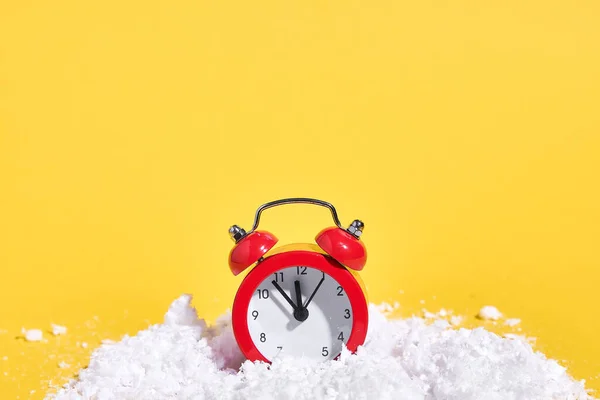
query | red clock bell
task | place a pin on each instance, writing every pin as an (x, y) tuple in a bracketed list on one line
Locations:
[(304, 300)]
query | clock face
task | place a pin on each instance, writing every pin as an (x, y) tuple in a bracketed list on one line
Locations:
[(300, 311)]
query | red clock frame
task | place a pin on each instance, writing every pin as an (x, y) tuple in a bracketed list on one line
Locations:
[(276, 262)]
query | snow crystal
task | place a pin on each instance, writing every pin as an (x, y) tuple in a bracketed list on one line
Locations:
[(512, 321), (58, 330), (489, 312), (387, 308), (443, 313), (410, 359), (32, 335)]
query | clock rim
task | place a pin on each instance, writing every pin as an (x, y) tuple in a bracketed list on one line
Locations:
[(316, 260)]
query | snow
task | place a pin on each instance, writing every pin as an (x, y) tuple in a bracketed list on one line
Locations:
[(412, 359), (58, 330), (32, 335), (489, 312), (512, 322)]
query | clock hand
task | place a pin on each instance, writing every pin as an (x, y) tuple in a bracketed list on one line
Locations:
[(285, 296), (300, 313), (315, 291), (298, 294)]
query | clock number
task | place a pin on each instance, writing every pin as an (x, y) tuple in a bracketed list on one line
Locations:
[(255, 314), (263, 337), (341, 336), (298, 272), (346, 314), (340, 291), (325, 352), (279, 347), (263, 294), (278, 276)]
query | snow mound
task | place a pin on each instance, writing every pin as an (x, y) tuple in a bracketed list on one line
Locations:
[(183, 358)]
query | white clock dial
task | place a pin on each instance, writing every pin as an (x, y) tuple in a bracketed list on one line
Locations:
[(317, 331)]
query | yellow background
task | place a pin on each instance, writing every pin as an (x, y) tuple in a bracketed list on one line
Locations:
[(132, 135)]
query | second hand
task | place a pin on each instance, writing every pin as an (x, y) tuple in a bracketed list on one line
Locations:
[(315, 291)]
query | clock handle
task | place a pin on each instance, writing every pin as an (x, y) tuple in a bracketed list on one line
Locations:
[(344, 245), (355, 229), (295, 200)]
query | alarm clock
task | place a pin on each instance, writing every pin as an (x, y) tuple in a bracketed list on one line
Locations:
[(300, 300)]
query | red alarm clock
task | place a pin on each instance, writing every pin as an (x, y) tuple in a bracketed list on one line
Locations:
[(302, 300)]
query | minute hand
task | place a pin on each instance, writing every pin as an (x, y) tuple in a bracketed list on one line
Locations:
[(315, 291)]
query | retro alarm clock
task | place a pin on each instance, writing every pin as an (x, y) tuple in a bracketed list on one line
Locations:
[(304, 300)]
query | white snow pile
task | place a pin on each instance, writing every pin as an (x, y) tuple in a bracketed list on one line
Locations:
[(409, 359)]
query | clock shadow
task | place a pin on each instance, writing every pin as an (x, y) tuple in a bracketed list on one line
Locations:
[(292, 323), (317, 303)]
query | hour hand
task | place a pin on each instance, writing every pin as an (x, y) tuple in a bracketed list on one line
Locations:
[(284, 294)]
